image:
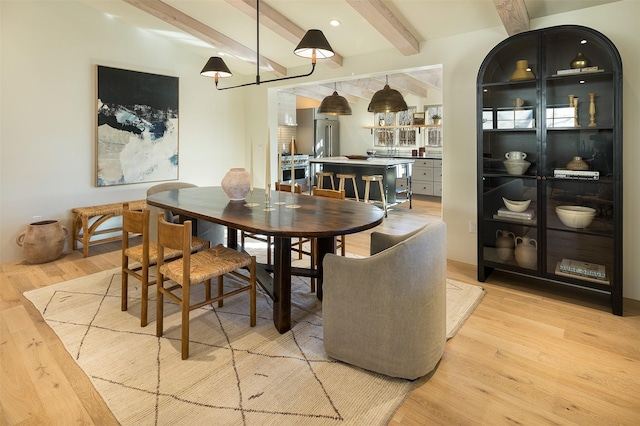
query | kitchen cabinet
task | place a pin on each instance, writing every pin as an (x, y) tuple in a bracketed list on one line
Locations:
[(540, 100), (286, 109), (426, 177)]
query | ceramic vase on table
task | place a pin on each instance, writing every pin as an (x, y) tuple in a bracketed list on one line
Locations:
[(43, 241), (236, 184)]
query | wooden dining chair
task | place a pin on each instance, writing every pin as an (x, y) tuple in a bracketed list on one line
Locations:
[(192, 269), (337, 194), (328, 193), (143, 256)]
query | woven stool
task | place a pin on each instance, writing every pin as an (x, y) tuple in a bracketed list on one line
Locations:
[(374, 178), (322, 175), (343, 177)]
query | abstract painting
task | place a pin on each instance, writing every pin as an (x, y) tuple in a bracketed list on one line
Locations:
[(137, 133)]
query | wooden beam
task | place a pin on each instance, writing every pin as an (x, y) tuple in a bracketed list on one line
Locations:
[(279, 24), (197, 29), (514, 15), (387, 24)]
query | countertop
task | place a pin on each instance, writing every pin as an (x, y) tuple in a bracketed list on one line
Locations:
[(371, 161), (412, 157)]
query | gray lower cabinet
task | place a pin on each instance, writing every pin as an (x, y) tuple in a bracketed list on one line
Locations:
[(426, 177)]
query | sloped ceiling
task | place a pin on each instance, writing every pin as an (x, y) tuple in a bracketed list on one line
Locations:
[(229, 27)]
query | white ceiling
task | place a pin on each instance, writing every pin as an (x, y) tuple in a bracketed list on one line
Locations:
[(425, 20)]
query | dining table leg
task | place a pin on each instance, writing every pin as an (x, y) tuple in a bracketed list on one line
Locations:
[(282, 284), (323, 246)]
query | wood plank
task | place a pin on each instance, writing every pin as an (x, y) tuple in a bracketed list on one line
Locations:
[(387, 24)]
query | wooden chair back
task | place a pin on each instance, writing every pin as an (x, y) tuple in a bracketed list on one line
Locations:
[(134, 222), (177, 237), (286, 187), (328, 193)]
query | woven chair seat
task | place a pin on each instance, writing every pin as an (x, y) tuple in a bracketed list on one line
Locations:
[(114, 208), (135, 253), (207, 264), (83, 232)]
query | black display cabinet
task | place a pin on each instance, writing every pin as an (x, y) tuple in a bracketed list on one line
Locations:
[(551, 100)]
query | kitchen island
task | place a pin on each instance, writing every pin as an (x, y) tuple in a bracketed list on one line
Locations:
[(393, 170)]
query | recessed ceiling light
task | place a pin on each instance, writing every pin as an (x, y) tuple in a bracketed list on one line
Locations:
[(334, 23)]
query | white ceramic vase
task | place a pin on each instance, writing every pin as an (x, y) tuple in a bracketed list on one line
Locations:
[(236, 184), (526, 252), (505, 242)]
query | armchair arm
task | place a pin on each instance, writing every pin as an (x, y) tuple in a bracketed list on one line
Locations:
[(380, 241)]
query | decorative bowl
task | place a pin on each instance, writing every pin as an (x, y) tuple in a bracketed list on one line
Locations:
[(516, 206), (516, 167), (576, 216), (371, 152)]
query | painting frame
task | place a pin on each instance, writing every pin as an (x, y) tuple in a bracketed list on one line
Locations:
[(137, 127)]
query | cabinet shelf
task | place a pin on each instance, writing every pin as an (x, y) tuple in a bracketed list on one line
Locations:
[(571, 102)]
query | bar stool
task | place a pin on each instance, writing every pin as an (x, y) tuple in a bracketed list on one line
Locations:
[(343, 177), (322, 175), (374, 178)]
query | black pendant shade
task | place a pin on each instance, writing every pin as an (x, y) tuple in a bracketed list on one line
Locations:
[(335, 105), (215, 66), (387, 100), (314, 42)]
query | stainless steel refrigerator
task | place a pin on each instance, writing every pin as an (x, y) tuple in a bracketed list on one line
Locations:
[(317, 135)]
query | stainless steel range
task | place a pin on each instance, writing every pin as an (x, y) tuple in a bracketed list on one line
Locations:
[(300, 167)]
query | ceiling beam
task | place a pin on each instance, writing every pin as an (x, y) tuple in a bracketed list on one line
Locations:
[(279, 24), (387, 24), (514, 15), (197, 29)]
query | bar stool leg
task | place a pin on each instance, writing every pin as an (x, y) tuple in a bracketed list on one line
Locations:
[(355, 188), (384, 201), (366, 191)]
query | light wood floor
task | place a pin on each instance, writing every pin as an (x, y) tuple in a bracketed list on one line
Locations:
[(530, 354)]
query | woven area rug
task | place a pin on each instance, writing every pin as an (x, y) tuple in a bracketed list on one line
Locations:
[(235, 374)]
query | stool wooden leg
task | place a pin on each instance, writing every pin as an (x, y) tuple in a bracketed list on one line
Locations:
[(341, 184), (366, 191), (384, 201), (355, 188)]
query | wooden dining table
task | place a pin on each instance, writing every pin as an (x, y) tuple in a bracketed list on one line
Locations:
[(287, 215)]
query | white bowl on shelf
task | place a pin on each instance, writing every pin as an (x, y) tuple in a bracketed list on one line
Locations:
[(516, 167), (516, 206), (576, 216)]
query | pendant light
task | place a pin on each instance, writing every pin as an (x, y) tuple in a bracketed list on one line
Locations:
[(334, 104), (313, 45), (387, 100)]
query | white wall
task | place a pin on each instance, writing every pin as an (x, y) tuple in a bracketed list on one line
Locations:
[(48, 114), (49, 54)]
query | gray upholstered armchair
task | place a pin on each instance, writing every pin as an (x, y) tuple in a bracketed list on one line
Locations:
[(386, 313)]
